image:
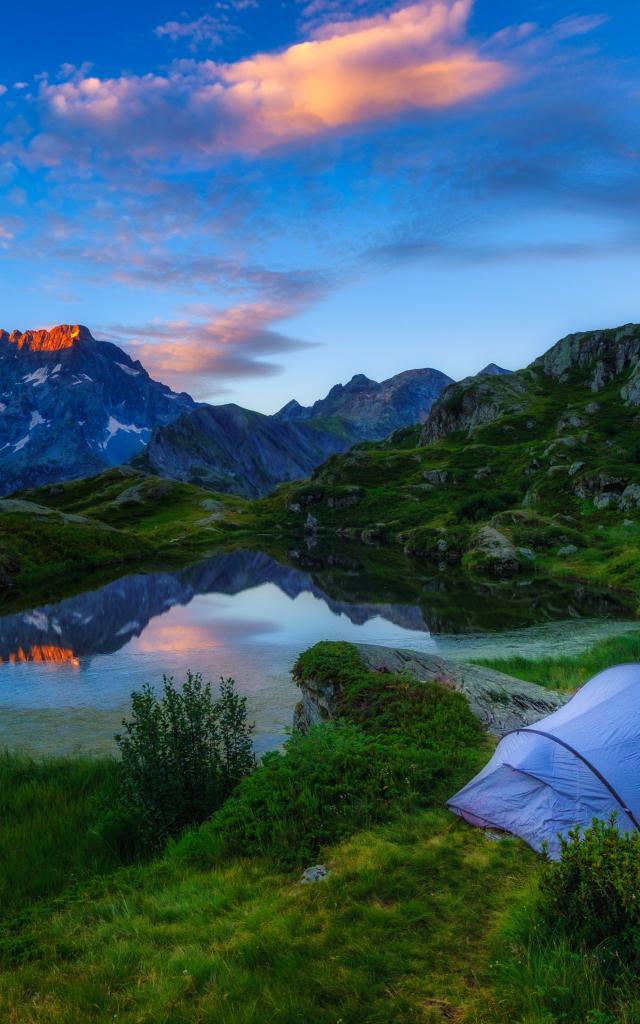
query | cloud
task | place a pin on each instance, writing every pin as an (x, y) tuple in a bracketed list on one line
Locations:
[(414, 58), (202, 353)]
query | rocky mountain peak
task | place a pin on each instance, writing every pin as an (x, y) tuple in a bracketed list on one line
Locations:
[(494, 370), (47, 340)]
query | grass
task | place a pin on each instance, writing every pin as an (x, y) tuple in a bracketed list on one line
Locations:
[(397, 933), (48, 815), (570, 672)]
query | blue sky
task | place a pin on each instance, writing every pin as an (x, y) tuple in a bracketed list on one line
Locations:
[(259, 199)]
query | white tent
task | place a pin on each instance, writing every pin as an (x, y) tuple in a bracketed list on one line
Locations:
[(579, 763)]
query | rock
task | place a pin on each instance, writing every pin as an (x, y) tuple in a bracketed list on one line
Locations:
[(568, 549), (483, 472), (436, 476), (526, 553), (601, 483), (628, 522), (592, 408), (603, 354), (500, 702), (317, 873), (496, 551), (630, 497), (575, 467)]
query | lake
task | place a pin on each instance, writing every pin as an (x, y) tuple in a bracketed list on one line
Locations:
[(67, 668)]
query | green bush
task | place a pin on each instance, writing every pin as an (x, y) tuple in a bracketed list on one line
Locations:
[(593, 891), (483, 504), (326, 785), (182, 755)]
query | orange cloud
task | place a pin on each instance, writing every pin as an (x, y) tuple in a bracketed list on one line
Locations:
[(360, 70), (351, 72)]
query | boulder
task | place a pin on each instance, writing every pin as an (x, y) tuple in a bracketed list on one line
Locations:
[(494, 552), (500, 702)]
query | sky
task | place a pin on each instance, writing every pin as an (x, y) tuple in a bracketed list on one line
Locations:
[(261, 198)]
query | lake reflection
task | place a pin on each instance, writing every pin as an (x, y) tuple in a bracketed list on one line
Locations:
[(67, 669)]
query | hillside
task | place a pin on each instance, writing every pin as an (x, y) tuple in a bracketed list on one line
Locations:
[(234, 450), (60, 534), (535, 472)]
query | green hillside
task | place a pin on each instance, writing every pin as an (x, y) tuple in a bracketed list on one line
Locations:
[(535, 473)]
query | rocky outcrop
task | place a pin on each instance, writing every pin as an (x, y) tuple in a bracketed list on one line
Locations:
[(603, 354), (472, 403), (500, 702)]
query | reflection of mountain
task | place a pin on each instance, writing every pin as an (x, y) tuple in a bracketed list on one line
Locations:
[(102, 621)]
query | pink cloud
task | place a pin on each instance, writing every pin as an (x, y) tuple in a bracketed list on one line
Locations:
[(415, 58), (201, 353)]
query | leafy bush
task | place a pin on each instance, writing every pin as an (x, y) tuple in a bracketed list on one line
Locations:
[(182, 755), (593, 891)]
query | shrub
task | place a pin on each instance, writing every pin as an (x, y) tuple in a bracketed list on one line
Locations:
[(483, 504), (593, 891), (325, 785), (182, 755)]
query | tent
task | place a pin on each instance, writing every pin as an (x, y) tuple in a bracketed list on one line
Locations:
[(579, 763)]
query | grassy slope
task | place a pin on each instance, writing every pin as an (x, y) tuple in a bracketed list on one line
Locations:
[(398, 933), (151, 521), (380, 489)]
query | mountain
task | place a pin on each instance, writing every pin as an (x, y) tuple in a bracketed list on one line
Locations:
[(71, 405), (374, 410), (537, 470), (494, 370), (234, 450)]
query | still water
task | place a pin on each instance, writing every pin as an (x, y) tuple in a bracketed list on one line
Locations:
[(67, 669)]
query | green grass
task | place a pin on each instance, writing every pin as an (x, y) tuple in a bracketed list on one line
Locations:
[(49, 811), (537, 977), (570, 672), (397, 933)]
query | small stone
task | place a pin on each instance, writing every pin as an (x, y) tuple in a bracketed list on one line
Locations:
[(628, 522), (317, 873), (568, 549), (575, 467), (526, 553)]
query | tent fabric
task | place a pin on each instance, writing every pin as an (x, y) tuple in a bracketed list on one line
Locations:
[(586, 766)]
